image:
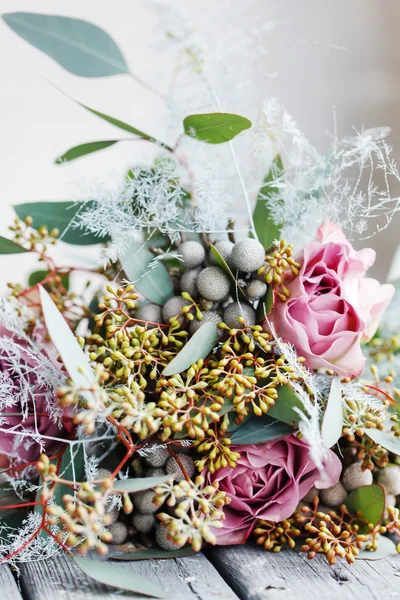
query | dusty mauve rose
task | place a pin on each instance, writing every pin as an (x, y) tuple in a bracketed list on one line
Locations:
[(29, 412), (269, 481), (332, 305)]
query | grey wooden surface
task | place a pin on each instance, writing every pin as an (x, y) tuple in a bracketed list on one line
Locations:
[(245, 573)]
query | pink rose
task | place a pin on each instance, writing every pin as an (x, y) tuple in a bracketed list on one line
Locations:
[(332, 305), (269, 481), (29, 413)]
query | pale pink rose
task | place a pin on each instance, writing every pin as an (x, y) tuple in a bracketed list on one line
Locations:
[(269, 481), (29, 415), (332, 306)]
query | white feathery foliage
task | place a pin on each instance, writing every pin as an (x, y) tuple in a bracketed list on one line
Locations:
[(307, 389), (341, 186), (39, 548)]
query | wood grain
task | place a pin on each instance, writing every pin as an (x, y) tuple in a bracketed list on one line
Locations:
[(8, 586), (188, 578), (257, 575)]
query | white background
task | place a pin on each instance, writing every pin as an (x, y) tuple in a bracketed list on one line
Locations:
[(323, 54)]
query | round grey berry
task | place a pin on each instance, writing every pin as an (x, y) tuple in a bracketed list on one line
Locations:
[(193, 253), (213, 283), (189, 282), (162, 539), (143, 502), (113, 512), (173, 307), (209, 316), (173, 467), (143, 523), (248, 255), (149, 312), (256, 289), (119, 532), (156, 455), (155, 472), (224, 247), (234, 310)]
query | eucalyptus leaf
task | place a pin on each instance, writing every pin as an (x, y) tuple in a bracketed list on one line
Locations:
[(73, 357), (369, 501), (265, 305), (154, 283), (385, 439), (157, 553), (72, 468), (199, 346), (117, 577), (60, 215), (215, 128), (9, 247), (83, 150), (38, 276), (266, 229), (385, 548), (332, 423), (285, 404), (260, 429), (138, 484), (236, 290), (82, 48)]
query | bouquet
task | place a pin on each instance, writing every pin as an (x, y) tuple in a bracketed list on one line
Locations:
[(209, 384)]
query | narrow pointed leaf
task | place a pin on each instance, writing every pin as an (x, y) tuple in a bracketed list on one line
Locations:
[(265, 305), (157, 553), (73, 357), (139, 484), (9, 247), (154, 283), (38, 276), (215, 128), (260, 429), (385, 439), (60, 215), (369, 501), (117, 577), (266, 229), (82, 48), (236, 291), (83, 150), (332, 423), (199, 346)]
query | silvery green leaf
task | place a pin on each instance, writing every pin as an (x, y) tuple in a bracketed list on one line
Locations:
[(199, 346), (385, 548), (332, 423), (82, 48), (9, 247), (258, 430), (138, 484)]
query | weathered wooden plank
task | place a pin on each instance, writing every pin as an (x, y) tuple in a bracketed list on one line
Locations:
[(8, 586), (188, 578), (258, 575)]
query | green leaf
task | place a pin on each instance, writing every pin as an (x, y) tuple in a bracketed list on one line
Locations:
[(236, 290), (369, 501), (155, 284), (385, 439), (265, 305), (83, 149), (260, 429), (38, 276), (215, 128), (9, 247), (385, 548), (121, 125), (285, 405), (157, 553), (199, 346), (117, 577), (332, 423), (79, 46), (72, 468), (138, 484), (73, 357), (60, 215), (266, 229)]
